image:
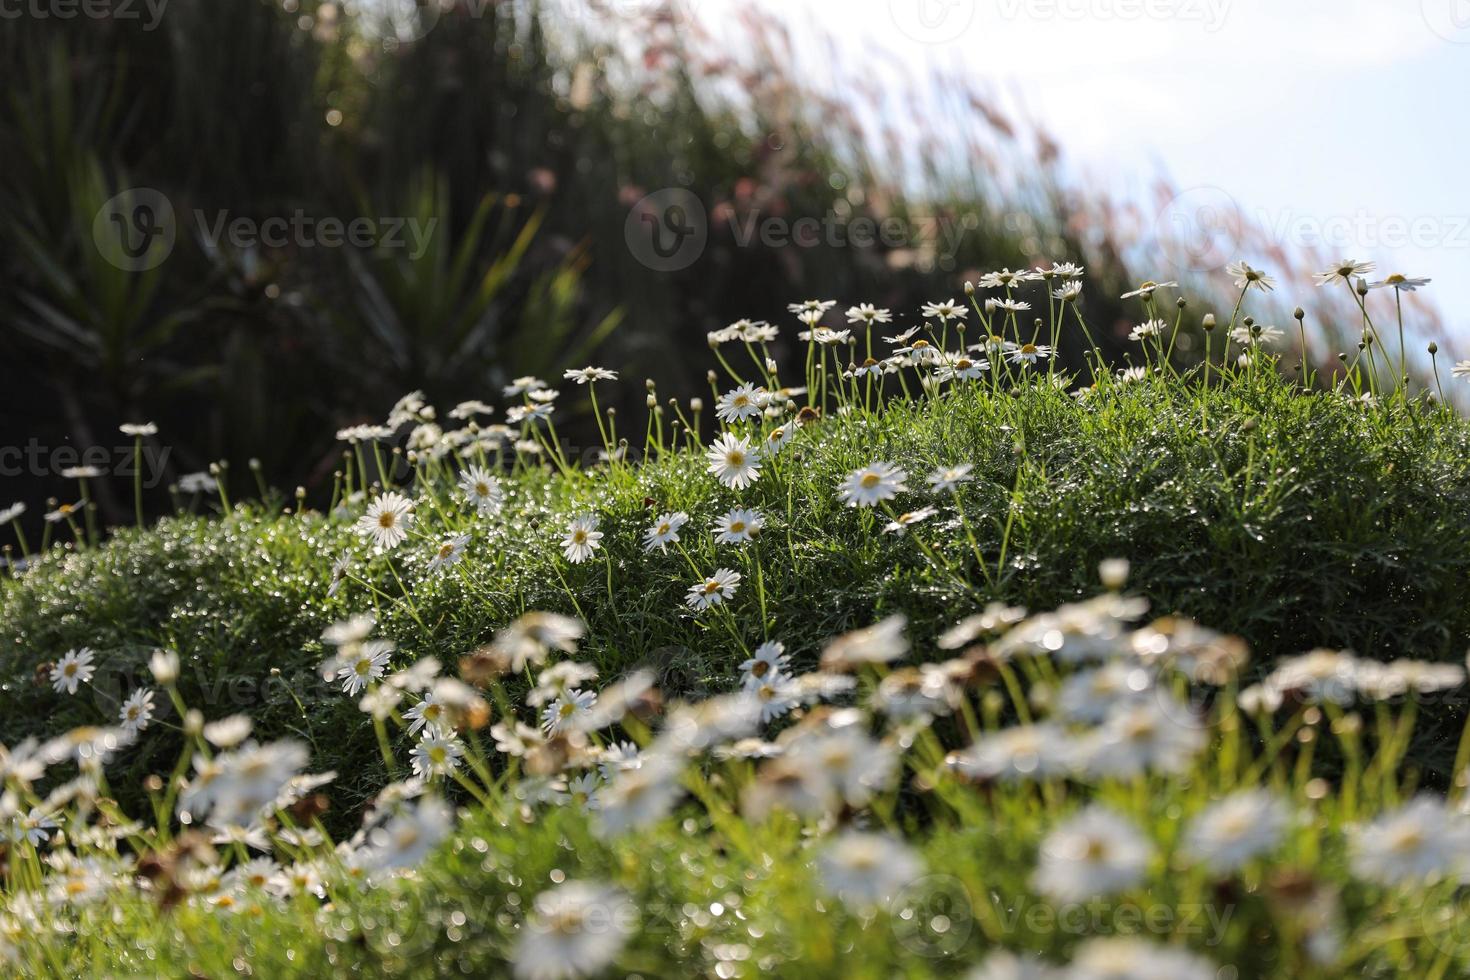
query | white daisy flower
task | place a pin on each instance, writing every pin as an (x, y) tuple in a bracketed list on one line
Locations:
[(164, 666), (1006, 279), (1157, 734), (137, 711), (734, 461), (522, 386), (1344, 271), (409, 837), (739, 404), (637, 797), (1010, 305), (867, 870), (63, 512), (867, 313), (577, 930), (201, 482), (340, 567), (449, 553), (1421, 840), (901, 523), (16, 509), (826, 337), (365, 664), (1093, 854), (582, 539), (1400, 282), (468, 410), (812, 306), (435, 756), (872, 484), (387, 520), (138, 429), (1004, 965), (962, 367), (566, 710), (229, 732), (431, 715), (74, 668), (947, 310), (1257, 334), (1019, 754), (1089, 696), (1068, 292), (881, 643), (1146, 289), (665, 531), (583, 790), (739, 526), (770, 657), (713, 591), (1148, 328), (1245, 277), (1130, 958), (947, 479), (1030, 354), (778, 437), (482, 490), (1461, 369), (587, 375), (616, 758), (774, 692), (1243, 826)]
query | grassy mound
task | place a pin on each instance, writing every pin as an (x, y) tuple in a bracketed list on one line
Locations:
[(1293, 519)]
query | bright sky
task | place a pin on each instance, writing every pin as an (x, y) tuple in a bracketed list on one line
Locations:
[(1346, 119)]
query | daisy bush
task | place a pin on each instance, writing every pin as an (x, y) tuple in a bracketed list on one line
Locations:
[(926, 659)]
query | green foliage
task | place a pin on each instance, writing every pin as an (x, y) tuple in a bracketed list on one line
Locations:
[(1294, 520)]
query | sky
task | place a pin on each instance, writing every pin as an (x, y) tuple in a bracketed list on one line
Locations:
[(1345, 122)]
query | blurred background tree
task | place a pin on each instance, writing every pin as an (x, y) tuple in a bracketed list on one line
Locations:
[(519, 138)]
